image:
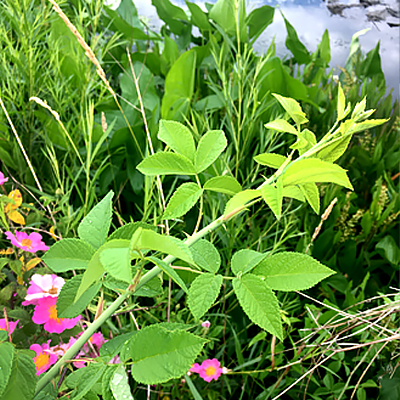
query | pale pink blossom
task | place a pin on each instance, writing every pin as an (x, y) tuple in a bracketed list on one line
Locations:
[(11, 325), (43, 360), (206, 324), (2, 179), (31, 243), (42, 286), (46, 313), (61, 348), (208, 370)]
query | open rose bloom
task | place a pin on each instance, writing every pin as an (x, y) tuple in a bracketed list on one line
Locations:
[(42, 286), (31, 243), (11, 325), (208, 370), (43, 360), (2, 179)]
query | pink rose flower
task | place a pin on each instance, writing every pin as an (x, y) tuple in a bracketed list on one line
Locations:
[(46, 313), (208, 370), (61, 348), (206, 324), (96, 340), (43, 360), (2, 179), (31, 243), (11, 325), (42, 286)]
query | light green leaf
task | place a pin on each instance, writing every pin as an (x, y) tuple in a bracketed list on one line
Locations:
[(365, 125), (203, 292), (288, 271), (223, 184), (166, 164), (273, 197), (281, 125), (341, 103), (178, 137), (119, 385), (293, 192), (94, 228), (311, 193), (68, 254), (258, 20), (159, 355), (259, 303), (210, 147), (6, 361), (206, 256), (183, 199), (198, 16), (309, 141), (67, 307), (315, 170), (270, 159), (334, 149), (293, 108), (245, 260), (240, 199), (116, 261), (126, 231)]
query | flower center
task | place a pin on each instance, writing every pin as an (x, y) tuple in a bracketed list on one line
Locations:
[(53, 313), (210, 371), (53, 290), (41, 361), (27, 243)]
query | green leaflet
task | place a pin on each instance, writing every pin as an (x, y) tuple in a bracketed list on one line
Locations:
[(119, 384), (117, 262), (6, 361), (94, 228), (240, 199), (183, 199), (335, 149), (311, 193), (223, 184), (206, 256), (166, 164), (293, 192), (209, 148), (293, 108), (159, 355), (126, 231), (315, 170), (106, 379), (259, 303), (245, 260), (177, 137), (289, 271), (273, 197), (203, 292), (270, 159), (281, 125)]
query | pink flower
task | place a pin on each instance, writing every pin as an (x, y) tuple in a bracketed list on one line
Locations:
[(96, 340), (43, 359), (195, 368), (43, 286), (206, 324), (31, 243), (46, 313), (208, 370), (11, 325), (61, 348), (2, 179)]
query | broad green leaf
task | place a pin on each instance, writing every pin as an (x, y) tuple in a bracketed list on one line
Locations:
[(334, 149), (177, 137), (126, 232), (84, 382), (94, 228), (68, 254), (67, 307), (311, 193), (273, 197), (371, 66), (240, 199), (258, 20), (152, 288), (113, 346), (293, 108), (6, 361), (116, 261), (323, 49), (245, 260), (281, 125), (119, 384), (206, 256), (315, 170), (159, 355), (259, 303), (203, 292), (270, 159), (166, 164), (183, 199), (390, 249), (179, 85), (288, 271), (169, 271), (309, 141), (210, 147), (198, 17), (106, 379), (223, 184)]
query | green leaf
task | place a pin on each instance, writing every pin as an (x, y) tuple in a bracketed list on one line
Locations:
[(116, 261), (390, 249), (198, 16), (334, 149), (177, 137), (315, 170), (113, 347), (94, 228), (166, 164), (67, 307), (341, 103), (159, 355), (203, 292), (258, 20), (293, 108), (210, 147), (259, 303), (240, 199), (273, 197), (169, 271), (126, 231), (270, 159), (6, 362), (281, 125), (288, 271), (223, 184), (309, 140), (183, 199), (311, 193), (206, 256), (179, 85), (87, 380), (293, 192), (245, 260), (106, 379), (192, 387), (68, 254), (119, 384)]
